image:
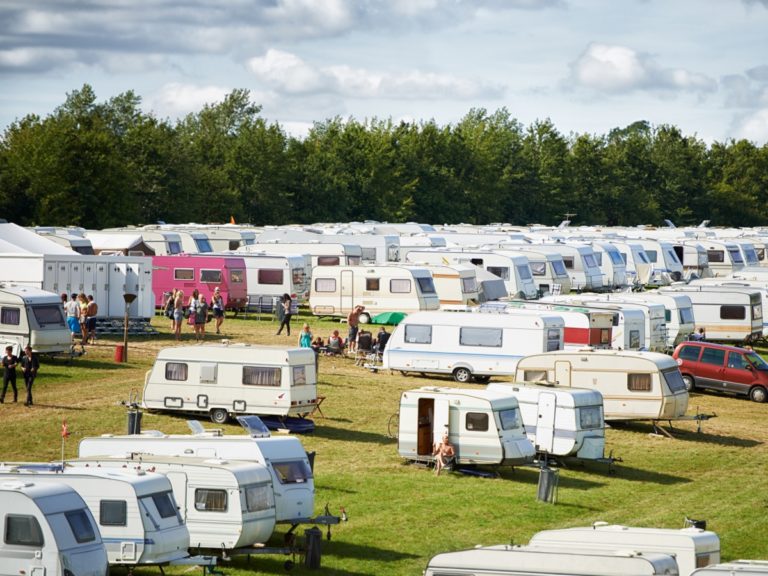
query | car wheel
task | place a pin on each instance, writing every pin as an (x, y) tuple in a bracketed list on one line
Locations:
[(219, 416), (689, 382), (758, 394), (462, 375), (482, 379)]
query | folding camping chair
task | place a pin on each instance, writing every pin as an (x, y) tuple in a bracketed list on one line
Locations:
[(364, 347)]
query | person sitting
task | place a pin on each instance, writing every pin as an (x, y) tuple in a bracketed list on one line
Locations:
[(317, 344), (444, 454), (335, 344), (698, 336), (381, 340)]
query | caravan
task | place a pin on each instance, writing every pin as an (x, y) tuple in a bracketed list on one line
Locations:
[(456, 285), (560, 421), (579, 261), (34, 317), (48, 531), (548, 269), (634, 385), (470, 345), (484, 426), (222, 380)]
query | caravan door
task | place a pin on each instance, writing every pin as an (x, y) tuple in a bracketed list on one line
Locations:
[(347, 291), (563, 373), (440, 421), (178, 482), (545, 424)]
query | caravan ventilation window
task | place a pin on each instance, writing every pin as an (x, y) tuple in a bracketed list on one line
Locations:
[(236, 276), (328, 261), (174, 247), (23, 531), (426, 285), (369, 254), (476, 421), (299, 376), (203, 245), (500, 271), (559, 267), (490, 337), (207, 500), (176, 371), (535, 375), (261, 376), (113, 513), (524, 272), (81, 526), (418, 334), (568, 262), (538, 268), (639, 382), (400, 286), (716, 256), (510, 419), (48, 314), (732, 313), (165, 504), (258, 497), (292, 472), (271, 276), (325, 284), (589, 260), (590, 417), (10, 316), (674, 380), (372, 284), (210, 276)]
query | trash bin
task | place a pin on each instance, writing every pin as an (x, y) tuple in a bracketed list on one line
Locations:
[(134, 422), (120, 353), (314, 539), (548, 478)]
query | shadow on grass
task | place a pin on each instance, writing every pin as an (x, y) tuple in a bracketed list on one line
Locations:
[(687, 435), (85, 363), (331, 433), (640, 475), (530, 476), (58, 407)]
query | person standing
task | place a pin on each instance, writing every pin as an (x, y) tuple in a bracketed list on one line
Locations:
[(29, 365), (168, 308), (217, 304), (305, 338), (73, 315), (353, 321), (9, 373), (92, 312), (286, 320), (178, 313), (201, 317)]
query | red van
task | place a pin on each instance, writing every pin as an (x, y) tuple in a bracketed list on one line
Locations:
[(707, 366)]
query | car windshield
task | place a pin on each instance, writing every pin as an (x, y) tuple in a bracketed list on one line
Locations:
[(757, 361)]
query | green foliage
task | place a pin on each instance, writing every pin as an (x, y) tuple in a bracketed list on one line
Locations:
[(105, 164)]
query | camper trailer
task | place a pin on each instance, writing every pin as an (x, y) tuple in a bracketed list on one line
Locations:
[(548, 269), (48, 531), (321, 254), (456, 285), (724, 257), (728, 314), (692, 548), (579, 261), (135, 510), (735, 568), (225, 504), (678, 313), (470, 345), (223, 380), (292, 479), (34, 317), (505, 560), (202, 273), (560, 422), (639, 268), (611, 264), (666, 265), (634, 385), (336, 290), (484, 426), (374, 248)]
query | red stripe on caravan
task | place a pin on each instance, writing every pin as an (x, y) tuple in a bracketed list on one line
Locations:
[(576, 336)]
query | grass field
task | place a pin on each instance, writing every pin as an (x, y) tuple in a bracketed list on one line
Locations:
[(399, 514)]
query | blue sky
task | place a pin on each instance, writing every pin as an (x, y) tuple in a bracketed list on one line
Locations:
[(588, 65)]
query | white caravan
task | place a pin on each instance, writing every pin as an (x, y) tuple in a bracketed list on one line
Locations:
[(639, 268), (226, 504), (667, 267), (48, 531), (134, 510), (163, 242), (269, 276), (374, 248), (322, 254), (548, 269), (336, 290), (724, 257), (118, 244), (739, 284), (67, 237), (735, 568), (560, 421), (579, 261), (285, 458), (506, 560), (678, 313), (694, 258), (484, 426), (728, 314), (223, 380), (514, 270), (634, 385), (29, 316), (470, 345), (456, 285), (691, 547), (610, 262)]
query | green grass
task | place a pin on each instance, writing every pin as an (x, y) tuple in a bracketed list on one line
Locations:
[(399, 514)]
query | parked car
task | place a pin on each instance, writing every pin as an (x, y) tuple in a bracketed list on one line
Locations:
[(709, 366)]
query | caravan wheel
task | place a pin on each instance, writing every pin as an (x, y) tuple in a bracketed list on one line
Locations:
[(462, 375), (219, 416)]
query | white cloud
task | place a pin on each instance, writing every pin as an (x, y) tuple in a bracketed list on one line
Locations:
[(613, 68), (176, 100), (33, 59), (753, 127), (288, 73)]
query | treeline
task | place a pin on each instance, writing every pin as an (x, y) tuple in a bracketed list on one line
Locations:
[(107, 164)]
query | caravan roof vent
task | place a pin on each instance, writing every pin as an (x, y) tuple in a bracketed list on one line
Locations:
[(16, 485)]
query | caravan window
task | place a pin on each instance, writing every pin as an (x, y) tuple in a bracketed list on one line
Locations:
[(353, 260), (81, 526), (23, 531), (524, 272), (400, 286), (500, 271), (538, 268), (568, 262), (292, 472), (328, 261), (639, 382), (208, 500), (174, 247), (559, 268), (258, 497), (634, 339), (490, 337), (203, 245), (113, 513), (10, 316), (716, 256), (165, 504), (299, 276), (372, 284), (672, 257), (535, 375), (590, 417), (553, 339), (48, 314), (732, 312), (369, 254), (325, 284), (615, 257), (236, 276), (476, 421), (210, 276), (418, 334), (653, 256), (599, 258), (674, 380), (509, 418), (299, 376), (757, 312), (261, 376), (271, 276), (589, 260), (686, 316), (735, 256), (426, 285), (176, 371), (468, 285), (183, 274)]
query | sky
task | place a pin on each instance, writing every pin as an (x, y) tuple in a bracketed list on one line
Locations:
[(587, 65)]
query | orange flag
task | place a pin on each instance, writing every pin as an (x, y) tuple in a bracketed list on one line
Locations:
[(64, 429), (231, 219)]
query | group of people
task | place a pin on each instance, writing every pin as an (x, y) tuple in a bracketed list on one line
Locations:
[(195, 311), (81, 312), (29, 366)]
